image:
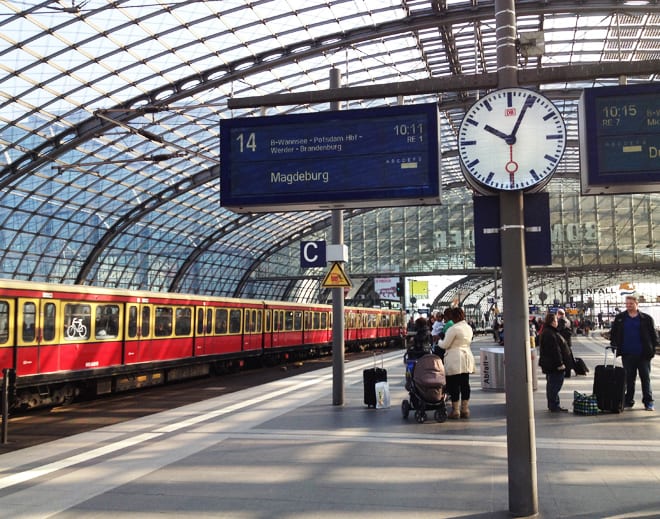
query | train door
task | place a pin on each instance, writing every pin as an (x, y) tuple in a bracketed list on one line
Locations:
[(37, 336), (203, 331), (7, 336), (138, 322), (252, 328), (277, 327), (268, 329)]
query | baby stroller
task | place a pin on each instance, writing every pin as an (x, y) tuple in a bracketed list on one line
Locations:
[(425, 382)]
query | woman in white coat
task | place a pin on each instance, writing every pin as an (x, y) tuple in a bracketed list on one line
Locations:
[(459, 363)]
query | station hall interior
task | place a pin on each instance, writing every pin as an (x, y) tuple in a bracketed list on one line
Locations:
[(110, 128)]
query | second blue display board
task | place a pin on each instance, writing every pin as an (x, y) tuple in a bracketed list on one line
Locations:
[(620, 139)]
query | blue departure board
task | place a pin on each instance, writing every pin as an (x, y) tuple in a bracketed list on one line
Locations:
[(620, 139), (374, 157)]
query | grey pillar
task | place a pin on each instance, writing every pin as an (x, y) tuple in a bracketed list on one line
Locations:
[(337, 293), (521, 439)]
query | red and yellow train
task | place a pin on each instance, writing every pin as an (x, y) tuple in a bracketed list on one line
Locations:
[(65, 339)]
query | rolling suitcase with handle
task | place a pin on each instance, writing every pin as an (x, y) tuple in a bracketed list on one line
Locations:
[(370, 377), (610, 385), (580, 366)]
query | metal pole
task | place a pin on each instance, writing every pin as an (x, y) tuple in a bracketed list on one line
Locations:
[(521, 440), (5, 404), (337, 293)]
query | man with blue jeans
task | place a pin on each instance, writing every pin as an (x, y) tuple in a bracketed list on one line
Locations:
[(634, 336)]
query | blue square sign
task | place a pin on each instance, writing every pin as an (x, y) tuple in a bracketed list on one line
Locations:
[(312, 254)]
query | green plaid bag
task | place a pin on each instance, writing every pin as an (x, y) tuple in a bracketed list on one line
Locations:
[(584, 404)]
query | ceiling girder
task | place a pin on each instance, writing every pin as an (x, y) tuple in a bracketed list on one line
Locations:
[(451, 84)]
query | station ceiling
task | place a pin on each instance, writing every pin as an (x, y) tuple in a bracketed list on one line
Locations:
[(109, 127)]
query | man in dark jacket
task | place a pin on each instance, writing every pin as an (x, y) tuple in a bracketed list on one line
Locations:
[(635, 339), (552, 360), (564, 329)]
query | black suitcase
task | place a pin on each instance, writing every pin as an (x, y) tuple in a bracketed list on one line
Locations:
[(369, 378), (610, 385), (580, 366)]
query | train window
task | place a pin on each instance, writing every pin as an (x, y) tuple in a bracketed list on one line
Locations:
[(163, 321), (259, 321), (209, 320), (77, 321), (297, 320), (317, 321), (308, 320), (49, 321), (200, 321), (132, 321), (146, 320), (282, 322), (267, 321), (183, 323), (324, 320), (277, 320), (235, 321), (29, 320), (4, 322), (248, 326), (106, 321), (288, 321), (220, 320)]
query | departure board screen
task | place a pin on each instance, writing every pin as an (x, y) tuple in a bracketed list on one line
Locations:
[(341, 159), (620, 139)]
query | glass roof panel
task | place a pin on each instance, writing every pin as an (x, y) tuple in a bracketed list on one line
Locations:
[(111, 111)]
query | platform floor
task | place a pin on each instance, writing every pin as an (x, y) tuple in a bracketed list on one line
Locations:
[(282, 450)]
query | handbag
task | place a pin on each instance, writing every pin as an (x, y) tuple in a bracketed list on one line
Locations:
[(585, 404), (382, 395)]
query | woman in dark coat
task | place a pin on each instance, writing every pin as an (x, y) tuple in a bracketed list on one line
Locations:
[(554, 355)]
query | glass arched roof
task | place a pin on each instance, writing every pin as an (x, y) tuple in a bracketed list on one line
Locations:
[(110, 113)]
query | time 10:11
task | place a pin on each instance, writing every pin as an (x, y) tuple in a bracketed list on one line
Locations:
[(409, 129)]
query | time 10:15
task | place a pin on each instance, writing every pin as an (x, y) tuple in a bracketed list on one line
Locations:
[(617, 111)]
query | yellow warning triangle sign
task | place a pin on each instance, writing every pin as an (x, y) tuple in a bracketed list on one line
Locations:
[(336, 277)]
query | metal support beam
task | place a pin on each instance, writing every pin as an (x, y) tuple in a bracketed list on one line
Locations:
[(450, 84)]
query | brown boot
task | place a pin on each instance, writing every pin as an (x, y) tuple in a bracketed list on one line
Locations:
[(465, 411), (454, 413)]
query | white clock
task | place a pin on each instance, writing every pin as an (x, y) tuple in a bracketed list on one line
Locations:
[(511, 139)]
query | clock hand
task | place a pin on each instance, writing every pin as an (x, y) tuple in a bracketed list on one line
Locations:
[(528, 102), (511, 166), (495, 132)]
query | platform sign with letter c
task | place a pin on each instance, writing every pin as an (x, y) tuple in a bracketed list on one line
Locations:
[(312, 254)]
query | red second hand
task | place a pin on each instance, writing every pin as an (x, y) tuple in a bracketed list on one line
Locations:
[(511, 166)]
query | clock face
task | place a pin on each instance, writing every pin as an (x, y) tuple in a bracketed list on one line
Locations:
[(511, 139)]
